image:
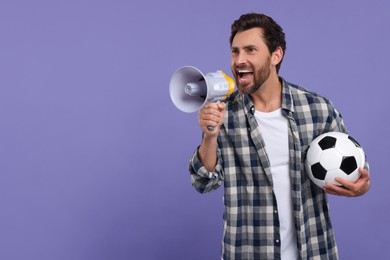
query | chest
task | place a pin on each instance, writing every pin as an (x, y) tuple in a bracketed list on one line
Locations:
[(273, 127)]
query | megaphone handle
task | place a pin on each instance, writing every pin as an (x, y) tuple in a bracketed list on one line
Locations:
[(210, 128)]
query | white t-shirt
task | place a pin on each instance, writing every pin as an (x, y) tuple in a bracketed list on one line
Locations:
[(274, 130)]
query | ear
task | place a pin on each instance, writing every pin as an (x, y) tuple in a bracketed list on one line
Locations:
[(277, 56)]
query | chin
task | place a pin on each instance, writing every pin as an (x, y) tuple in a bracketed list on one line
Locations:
[(247, 91)]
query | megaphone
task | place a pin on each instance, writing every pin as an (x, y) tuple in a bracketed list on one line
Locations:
[(190, 89)]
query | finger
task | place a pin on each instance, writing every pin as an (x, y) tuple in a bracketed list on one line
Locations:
[(208, 123), (209, 113), (350, 189), (364, 176), (344, 182), (221, 106), (332, 192), (210, 106), (209, 117), (337, 190), (222, 109), (365, 180), (364, 173), (213, 111)]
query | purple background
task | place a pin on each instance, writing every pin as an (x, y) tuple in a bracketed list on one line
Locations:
[(93, 154)]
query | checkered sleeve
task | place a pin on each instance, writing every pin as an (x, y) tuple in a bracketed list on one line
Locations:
[(336, 120), (338, 125), (202, 180)]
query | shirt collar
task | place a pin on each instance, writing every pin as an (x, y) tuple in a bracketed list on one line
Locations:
[(287, 100)]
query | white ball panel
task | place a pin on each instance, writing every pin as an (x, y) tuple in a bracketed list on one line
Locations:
[(331, 175), (345, 146), (313, 153), (360, 157), (331, 159)]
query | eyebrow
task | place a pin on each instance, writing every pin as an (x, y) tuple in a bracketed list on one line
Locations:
[(245, 47)]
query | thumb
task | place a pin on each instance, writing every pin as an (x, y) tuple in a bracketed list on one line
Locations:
[(222, 109), (222, 106)]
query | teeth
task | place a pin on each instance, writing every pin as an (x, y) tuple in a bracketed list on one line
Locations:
[(245, 71)]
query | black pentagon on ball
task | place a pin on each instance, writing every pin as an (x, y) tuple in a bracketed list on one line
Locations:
[(318, 171), (348, 164), (327, 142)]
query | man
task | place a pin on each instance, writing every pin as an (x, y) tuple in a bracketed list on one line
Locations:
[(271, 208)]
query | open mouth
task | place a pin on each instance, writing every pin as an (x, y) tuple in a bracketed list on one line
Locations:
[(244, 74)]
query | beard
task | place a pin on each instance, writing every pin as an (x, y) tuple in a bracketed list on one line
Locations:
[(260, 76)]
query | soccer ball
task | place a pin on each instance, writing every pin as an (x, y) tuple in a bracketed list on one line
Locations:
[(331, 155)]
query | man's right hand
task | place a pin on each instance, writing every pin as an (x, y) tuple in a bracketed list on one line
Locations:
[(211, 114)]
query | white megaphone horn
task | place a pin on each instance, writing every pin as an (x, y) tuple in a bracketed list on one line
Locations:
[(190, 90)]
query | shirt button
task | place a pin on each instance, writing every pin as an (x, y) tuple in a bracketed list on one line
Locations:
[(276, 211), (277, 241)]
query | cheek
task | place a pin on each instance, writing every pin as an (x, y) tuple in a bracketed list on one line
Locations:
[(232, 62), (232, 67)]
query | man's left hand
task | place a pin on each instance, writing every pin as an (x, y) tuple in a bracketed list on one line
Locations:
[(350, 189)]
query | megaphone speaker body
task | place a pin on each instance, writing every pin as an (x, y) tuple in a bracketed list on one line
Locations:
[(190, 89)]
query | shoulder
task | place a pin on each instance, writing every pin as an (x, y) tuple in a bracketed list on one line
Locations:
[(300, 96), (308, 107), (308, 104)]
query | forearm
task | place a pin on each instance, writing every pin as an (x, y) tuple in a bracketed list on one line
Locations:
[(207, 153)]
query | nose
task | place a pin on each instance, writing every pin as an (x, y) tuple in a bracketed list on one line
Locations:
[(241, 58)]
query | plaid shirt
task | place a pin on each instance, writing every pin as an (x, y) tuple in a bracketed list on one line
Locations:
[(251, 222)]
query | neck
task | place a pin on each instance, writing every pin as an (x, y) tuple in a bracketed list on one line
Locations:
[(269, 96)]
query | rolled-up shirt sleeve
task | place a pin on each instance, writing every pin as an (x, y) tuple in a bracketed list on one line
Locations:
[(202, 180)]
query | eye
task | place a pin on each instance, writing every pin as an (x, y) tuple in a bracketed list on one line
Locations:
[(234, 51)]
